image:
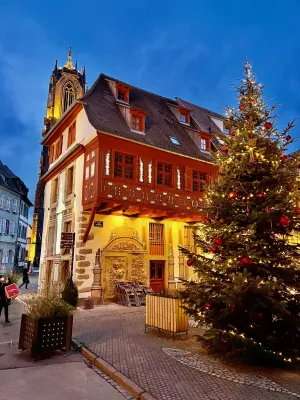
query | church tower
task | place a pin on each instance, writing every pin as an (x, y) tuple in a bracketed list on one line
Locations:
[(67, 84)]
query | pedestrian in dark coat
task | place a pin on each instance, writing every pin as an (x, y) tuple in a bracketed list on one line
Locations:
[(4, 301), (25, 278)]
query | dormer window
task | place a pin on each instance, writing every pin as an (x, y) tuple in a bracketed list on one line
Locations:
[(122, 92), (204, 141), (137, 120), (184, 115)]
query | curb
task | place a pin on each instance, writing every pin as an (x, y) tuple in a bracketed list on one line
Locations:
[(136, 391)]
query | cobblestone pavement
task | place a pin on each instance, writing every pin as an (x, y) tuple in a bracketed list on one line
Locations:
[(166, 369)]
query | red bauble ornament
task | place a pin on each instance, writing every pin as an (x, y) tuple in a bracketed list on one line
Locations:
[(233, 195), (208, 306), (284, 220), (260, 314), (246, 261), (232, 133), (224, 149), (190, 262), (268, 125), (284, 157), (261, 195), (218, 241), (298, 210)]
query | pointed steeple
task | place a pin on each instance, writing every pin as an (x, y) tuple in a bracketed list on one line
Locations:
[(69, 64)]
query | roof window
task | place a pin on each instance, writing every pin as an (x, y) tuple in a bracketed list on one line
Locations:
[(174, 140)]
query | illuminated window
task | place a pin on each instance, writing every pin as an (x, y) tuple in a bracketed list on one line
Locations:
[(124, 166), (164, 174), (69, 96), (156, 239), (199, 181)]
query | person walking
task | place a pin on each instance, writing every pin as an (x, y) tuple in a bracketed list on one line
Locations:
[(25, 278), (4, 301)]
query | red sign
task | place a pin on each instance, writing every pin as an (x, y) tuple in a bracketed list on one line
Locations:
[(12, 291)]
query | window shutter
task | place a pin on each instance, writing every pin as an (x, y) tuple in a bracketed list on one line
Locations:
[(13, 227), (2, 202), (60, 144), (6, 256), (1, 222), (4, 225), (188, 179), (3, 256), (15, 206), (74, 132), (8, 204), (51, 154)]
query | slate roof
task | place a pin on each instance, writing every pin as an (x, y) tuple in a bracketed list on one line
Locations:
[(104, 115), (13, 183)]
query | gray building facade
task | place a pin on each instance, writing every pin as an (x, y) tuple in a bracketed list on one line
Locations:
[(14, 210)]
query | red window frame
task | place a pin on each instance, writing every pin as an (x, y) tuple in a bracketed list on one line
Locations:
[(199, 181), (124, 166), (137, 117), (124, 89), (164, 174), (186, 113)]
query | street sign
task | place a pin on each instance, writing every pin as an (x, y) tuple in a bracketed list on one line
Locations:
[(98, 224), (66, 241)]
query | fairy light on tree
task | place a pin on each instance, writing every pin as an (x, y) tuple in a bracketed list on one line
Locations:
[(248, 268)]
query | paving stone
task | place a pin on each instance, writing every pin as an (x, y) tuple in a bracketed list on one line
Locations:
[(117, 335)]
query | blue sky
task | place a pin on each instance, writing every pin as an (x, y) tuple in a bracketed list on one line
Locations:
[(193, 49)]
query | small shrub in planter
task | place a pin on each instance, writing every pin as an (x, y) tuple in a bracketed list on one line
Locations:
[(47, 325), (70, 292)]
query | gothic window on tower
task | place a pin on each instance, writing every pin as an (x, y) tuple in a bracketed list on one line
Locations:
[(69, 96)]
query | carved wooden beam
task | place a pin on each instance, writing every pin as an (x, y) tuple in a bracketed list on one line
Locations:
[(88, 228)]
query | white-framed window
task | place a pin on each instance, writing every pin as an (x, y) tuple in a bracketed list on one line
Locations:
[(12, 227), (2, 201), (15, 206), (203, 144), (8, 203)]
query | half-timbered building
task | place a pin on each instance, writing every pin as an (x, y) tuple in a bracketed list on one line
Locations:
[(127, 173)]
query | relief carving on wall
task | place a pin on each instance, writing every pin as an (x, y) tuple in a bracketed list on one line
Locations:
[(116, 269), (124, 245), (138, 268)]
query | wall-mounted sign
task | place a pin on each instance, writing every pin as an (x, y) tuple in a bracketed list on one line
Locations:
[(66, 241), (98, 224)]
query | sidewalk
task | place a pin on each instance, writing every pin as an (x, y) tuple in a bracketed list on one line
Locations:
[(170, 370), (58, 377)]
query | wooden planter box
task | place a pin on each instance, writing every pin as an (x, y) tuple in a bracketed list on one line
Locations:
[(166, 314), (44, 335)]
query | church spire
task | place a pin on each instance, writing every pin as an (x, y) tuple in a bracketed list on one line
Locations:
[(69, 64)]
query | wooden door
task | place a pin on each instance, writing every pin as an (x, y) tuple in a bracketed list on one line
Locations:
[(157, 275)]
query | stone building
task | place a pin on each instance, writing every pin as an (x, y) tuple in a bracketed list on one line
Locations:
[(14, 209), (127, 174), (66, 85)]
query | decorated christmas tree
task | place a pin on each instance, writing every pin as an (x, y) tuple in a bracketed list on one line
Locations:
[(247, 264)]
